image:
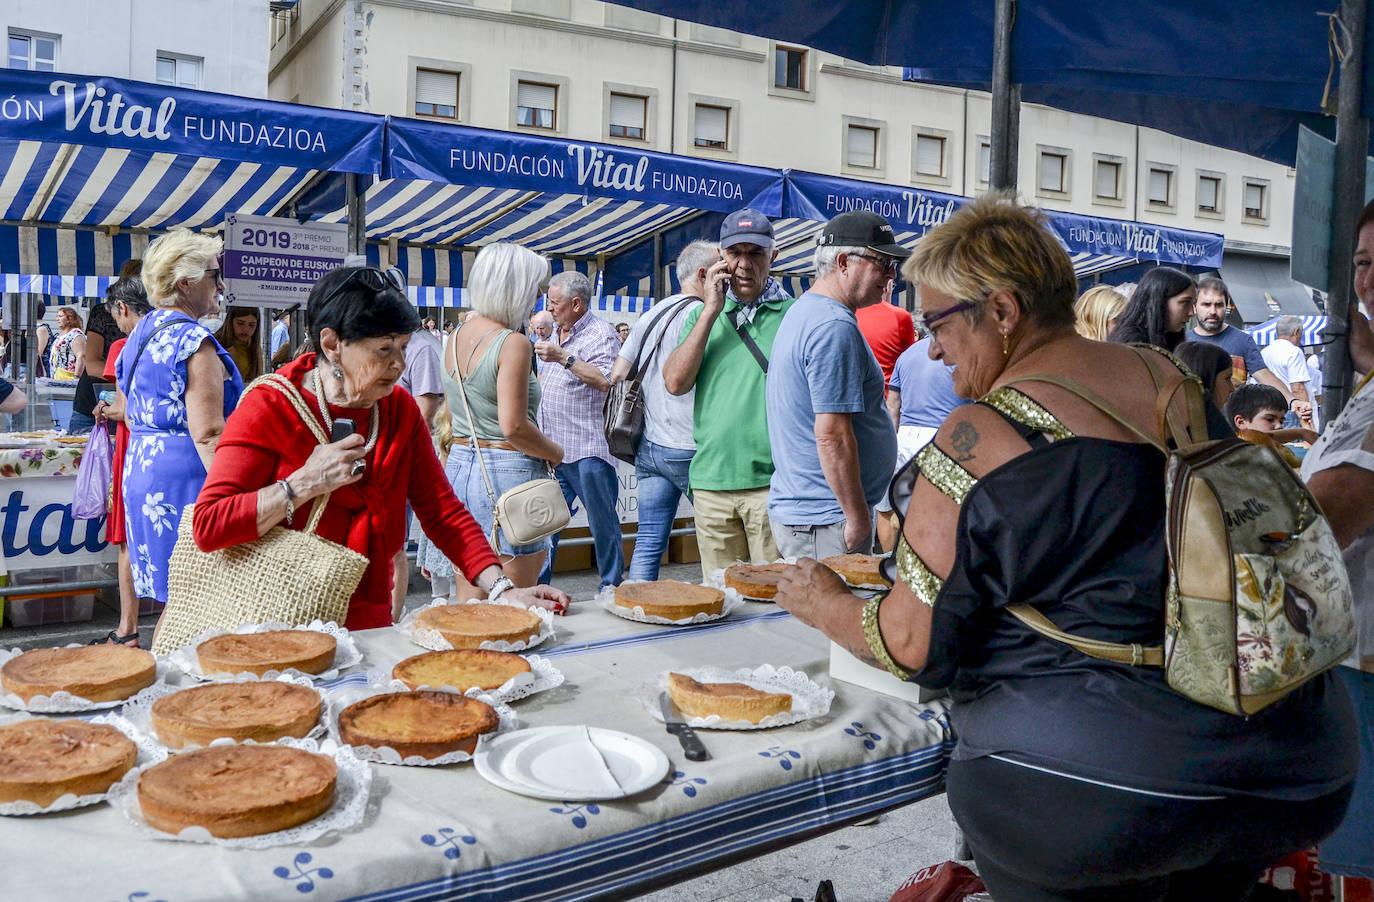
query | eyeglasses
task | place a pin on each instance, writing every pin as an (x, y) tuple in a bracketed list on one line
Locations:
[(889, 265), (372, 278), (216, 275), (926, 322)]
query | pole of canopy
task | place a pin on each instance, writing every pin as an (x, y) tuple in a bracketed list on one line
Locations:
[(1006, 103), (1352, 146), (657, 277), (357, 214)]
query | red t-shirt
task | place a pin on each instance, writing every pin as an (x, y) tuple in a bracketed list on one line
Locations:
[(265, 440), (889, 331)]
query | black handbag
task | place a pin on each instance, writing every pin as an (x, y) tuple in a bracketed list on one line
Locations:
[(623, 410)]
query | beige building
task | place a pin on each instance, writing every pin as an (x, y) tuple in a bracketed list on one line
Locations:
[(588, 70)]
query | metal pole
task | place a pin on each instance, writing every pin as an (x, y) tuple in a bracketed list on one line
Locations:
[(357, 214), (1352, 146), (657, 277), (1006, 103)]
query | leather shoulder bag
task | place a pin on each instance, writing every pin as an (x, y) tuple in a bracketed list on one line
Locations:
[(623, 409)]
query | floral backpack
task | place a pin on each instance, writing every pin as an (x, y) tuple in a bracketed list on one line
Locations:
[(1258, 598)]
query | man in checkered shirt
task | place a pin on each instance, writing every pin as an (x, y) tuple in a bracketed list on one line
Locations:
[(583, 349)]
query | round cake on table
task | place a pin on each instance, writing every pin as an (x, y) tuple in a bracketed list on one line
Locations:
[(858, 569), (237, 790), (97, 673), (463, 669), (731, 701), (757, 581), (469, 625), (260, 711), (670, 599), (42, 760), (424, 723), (305, 650)]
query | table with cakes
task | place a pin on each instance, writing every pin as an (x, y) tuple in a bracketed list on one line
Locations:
[(475, 750)]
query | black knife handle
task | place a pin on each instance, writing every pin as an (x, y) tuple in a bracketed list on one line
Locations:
[(691, 743)]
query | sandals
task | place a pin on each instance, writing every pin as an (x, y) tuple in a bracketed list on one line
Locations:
[(114, 638)]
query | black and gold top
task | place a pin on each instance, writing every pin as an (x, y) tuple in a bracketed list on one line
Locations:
[(1075, 528)]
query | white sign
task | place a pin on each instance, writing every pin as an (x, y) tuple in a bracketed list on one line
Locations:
[(273, 262), (37, 529), (627, 499)]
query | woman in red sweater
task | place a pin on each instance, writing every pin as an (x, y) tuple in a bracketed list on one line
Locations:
[(269, 467)]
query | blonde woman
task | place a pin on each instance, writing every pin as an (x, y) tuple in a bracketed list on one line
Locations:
[(1096, 310), (176, 386), (69, 348)]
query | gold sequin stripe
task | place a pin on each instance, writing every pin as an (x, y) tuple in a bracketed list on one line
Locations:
[(943, 472), (916, 575), (873, 635), (1021, 408)]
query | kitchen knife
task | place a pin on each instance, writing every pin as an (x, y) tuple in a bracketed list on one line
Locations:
[(691, 744)]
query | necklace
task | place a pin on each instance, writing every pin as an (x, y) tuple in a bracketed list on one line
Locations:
[(324, 411)]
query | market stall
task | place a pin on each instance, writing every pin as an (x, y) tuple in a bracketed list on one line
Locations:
[(445, 832)]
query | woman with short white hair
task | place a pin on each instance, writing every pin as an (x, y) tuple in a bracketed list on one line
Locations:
[(177, 386), (495, 360)]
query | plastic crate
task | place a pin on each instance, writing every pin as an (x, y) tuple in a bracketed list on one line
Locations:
[(42, 609)]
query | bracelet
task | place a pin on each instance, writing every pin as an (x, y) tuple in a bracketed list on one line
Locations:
[(499, 586), (290, 499), (874, 636)]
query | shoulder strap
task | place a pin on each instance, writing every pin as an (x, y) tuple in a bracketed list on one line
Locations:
[(160, 327), (665, 319), (287, 387), (1134, 654), (733, 317)]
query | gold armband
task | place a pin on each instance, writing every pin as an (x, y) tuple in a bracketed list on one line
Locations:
[(873, 634)]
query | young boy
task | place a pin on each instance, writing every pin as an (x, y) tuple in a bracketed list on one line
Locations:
[(1257, 411)]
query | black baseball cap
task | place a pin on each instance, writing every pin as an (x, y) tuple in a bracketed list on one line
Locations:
[(860, 228), (746, 227)]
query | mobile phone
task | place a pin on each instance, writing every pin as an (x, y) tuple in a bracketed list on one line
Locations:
[(342, 429)]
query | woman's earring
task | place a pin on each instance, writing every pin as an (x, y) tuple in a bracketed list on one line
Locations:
[(337, 371), (1006, 344)]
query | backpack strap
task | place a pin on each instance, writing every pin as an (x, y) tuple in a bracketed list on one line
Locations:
[(1134, 654)]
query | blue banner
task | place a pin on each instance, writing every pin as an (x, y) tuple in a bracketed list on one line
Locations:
[(821, 198), (117, 113), (460, 155), (1139, 240)]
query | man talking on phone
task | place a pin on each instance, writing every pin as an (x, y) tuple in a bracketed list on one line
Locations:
[(724, 355)]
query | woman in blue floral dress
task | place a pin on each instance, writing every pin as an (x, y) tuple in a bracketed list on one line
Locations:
[(179, 386)]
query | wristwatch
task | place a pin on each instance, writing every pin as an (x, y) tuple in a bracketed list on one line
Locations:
[(568, 364)]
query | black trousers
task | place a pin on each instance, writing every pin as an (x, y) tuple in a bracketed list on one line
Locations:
[(1042, 838)]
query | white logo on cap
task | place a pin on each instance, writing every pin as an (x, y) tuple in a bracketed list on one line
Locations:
[(745, 222)]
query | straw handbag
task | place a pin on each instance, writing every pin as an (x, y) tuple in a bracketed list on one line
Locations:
[(287, 576)]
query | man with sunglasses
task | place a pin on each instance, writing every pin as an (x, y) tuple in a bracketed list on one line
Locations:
[(834, 446)]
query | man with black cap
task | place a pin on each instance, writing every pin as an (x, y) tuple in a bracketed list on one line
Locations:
[(724, 354), (834, 447)]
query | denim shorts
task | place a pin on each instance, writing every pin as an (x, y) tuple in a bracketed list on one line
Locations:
[(507, 469)]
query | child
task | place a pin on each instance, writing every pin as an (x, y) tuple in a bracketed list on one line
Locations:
[(1257, 411)]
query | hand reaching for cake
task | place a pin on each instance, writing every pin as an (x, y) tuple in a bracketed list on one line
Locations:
[(546, 597), (805, 588)]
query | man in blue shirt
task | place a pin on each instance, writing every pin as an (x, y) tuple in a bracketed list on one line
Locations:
[(281, 339), (1213, 302), (833, 444)]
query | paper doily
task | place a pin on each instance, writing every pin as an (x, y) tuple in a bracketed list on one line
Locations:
[(387, 755), (542, 675), (139, 711), (809, 699), (346, 653), (65, 702), (149, 753), (605, 599), (434, 640)]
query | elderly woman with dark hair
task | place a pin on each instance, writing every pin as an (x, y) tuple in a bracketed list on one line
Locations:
[(270, 468), (1073, 777), (1158, 310)]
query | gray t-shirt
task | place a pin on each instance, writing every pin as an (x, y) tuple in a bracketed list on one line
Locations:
[(424, 373), (667, 418)]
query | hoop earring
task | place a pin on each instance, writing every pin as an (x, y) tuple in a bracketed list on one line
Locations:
[(1006, 344)]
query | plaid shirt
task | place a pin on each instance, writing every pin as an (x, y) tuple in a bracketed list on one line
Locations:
[(570, 410)]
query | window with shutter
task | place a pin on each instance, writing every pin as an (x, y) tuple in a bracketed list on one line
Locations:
[(1160, 186), (536, 105), (34, 52), (1254, 200), (789, 68), (712, 126), (627, 116), (1108, 180), (1208, 194), (1052, 166), (930, 155), (861, 147), (436, 93)]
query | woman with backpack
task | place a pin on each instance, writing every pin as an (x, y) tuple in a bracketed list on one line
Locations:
[(1074, 776)]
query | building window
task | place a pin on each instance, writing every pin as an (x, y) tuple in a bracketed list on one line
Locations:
[(1054, 172), (861, 147), (1256, 199), (1160, 190), (712, 126), (984, 162), (178, 71), (436, 93), (1107, 180), (536, 105), (34, 52), (930, 156), (1209, 194), (789, 68), (628, 115)]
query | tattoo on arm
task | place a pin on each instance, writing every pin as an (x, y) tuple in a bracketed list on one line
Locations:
[(963, 439)]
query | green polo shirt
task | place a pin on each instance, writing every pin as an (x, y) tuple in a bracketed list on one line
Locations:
[(729, 422)]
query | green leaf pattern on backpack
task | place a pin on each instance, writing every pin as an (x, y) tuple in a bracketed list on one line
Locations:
[(1201, 653)]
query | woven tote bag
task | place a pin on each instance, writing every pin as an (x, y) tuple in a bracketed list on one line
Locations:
[(287, 576)]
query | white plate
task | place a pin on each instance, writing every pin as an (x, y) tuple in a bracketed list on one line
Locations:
[(560, 763)]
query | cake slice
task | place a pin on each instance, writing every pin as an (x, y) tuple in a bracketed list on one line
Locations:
[(731, 701)]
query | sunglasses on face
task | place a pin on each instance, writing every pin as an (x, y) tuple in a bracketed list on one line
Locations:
[(889, 265)]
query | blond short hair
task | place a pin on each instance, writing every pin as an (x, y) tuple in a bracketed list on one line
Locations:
[(180, 254), (504, 281), (1095, 310), (992, 244)]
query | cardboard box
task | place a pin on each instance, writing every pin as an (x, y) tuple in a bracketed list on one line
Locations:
[(846, 667), (45, 608)]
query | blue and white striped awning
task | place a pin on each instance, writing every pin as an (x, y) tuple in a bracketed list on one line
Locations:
[(56, 286), (1313, 331)]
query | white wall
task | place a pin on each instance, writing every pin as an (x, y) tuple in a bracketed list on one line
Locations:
[(122, 38)]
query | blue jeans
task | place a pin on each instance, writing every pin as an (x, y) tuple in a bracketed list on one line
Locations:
[(80, 423), (662, 474), (593, 481)]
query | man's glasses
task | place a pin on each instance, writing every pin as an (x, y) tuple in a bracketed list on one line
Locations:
[(889, 265), (372, 278), (926, 322)]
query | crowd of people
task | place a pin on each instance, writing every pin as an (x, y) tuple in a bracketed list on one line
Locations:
[(990, 443)]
